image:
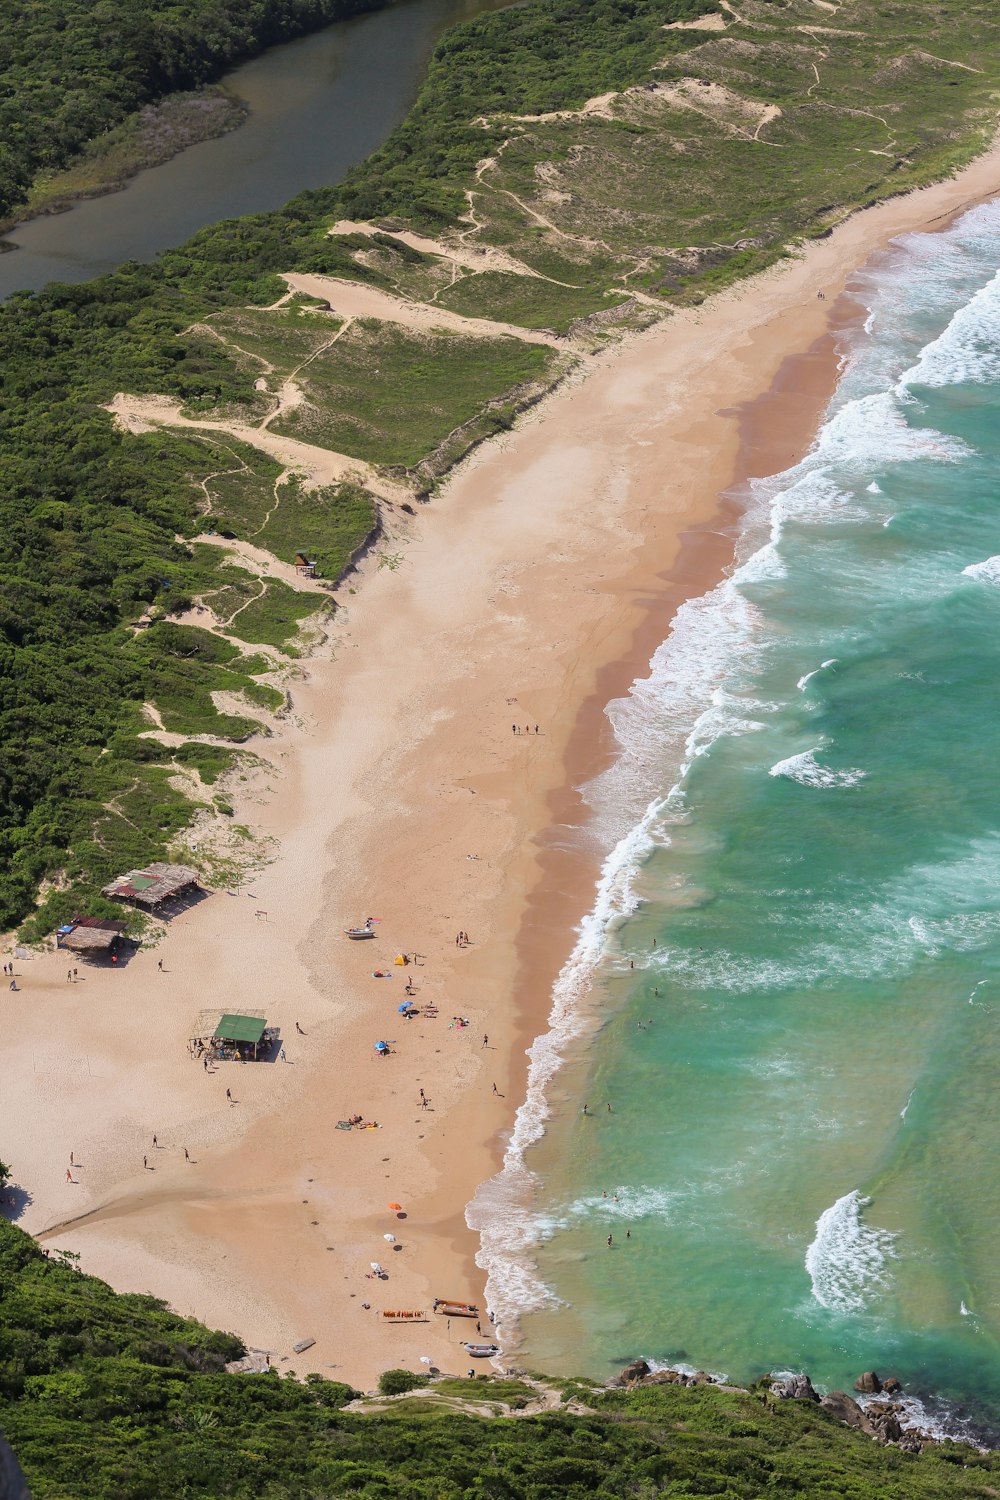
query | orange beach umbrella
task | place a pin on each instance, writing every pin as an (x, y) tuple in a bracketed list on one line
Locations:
[(395, 1207)]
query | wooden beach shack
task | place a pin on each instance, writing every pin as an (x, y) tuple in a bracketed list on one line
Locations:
[(153, 886), (304, 563), (91, 937)]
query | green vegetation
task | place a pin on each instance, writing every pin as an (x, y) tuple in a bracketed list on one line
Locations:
[(397, 1382), (528, 300), (111, 1397), (72, 69), (390, 396), (732, 144)]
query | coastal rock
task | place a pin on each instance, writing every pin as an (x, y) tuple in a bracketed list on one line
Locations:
[(794, 1388), (665, 1377), (701, 1377), (844, 1407), (868, 1384), (891, 1386), (637, 1370), (884, 1426)]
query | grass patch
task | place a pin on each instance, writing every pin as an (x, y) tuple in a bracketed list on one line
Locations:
[(264, 612), (390, 397), (271, 342), (525, 300)]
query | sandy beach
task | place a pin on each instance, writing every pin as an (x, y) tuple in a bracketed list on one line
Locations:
[(410, 784)]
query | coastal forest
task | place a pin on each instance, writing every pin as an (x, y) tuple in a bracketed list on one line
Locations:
[(571, 171), (105, 1396)]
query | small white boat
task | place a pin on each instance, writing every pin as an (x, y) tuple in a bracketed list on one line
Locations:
[(481, 1351), (359, 932)]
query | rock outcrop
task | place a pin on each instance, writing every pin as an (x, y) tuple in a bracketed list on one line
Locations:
[(794, 1388), (868, 1384), (844, 1407)]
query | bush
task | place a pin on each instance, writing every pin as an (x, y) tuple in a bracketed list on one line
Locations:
[(398, 1382)]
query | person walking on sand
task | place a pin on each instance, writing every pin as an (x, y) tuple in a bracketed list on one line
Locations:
[(159, 964), (298, 1028), (69, 1175), (186, 1156), (144, 1163), (154, 1142), (69, 974), (513, 729), (76, 975), (496, 1090), (486, 1040), (229, 1095)]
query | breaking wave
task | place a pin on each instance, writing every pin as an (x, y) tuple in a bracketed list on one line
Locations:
[(848, 1261)]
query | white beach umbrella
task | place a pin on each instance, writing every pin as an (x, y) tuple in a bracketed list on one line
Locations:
[(390, 1237)]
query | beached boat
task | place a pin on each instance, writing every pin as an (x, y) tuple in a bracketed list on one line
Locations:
[(359, 932), (481, 1351), (455, 1309)]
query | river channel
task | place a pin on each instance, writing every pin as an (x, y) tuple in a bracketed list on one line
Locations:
[(318, 105)]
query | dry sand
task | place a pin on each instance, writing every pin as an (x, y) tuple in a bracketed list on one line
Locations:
[(529, 591)]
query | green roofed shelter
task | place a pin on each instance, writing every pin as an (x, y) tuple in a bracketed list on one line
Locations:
[(240, 1029)]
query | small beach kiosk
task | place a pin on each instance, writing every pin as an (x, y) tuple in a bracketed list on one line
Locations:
[(233, 1036), (242, 1034)]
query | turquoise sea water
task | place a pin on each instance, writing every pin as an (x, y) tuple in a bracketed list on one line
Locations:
[(804, 1062)]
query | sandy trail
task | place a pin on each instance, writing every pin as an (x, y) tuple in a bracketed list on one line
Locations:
[(349, 299), (402, 792), (318, 466), (477, 258)]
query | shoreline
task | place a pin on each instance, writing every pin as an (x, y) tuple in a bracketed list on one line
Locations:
[(537, 574)]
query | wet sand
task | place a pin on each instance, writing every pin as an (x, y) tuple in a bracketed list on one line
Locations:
[(532, 589)]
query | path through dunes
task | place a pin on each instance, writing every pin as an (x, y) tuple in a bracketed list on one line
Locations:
[(319, 466), (349, 299)]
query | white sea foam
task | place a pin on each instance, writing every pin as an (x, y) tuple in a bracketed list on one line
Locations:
[(906, 1107), (804, 681), (806, 769), (968, 351), (500, 1209), (848, 1260), (984, 572)]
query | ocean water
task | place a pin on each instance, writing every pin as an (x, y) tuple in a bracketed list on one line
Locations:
[(789, 986)]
